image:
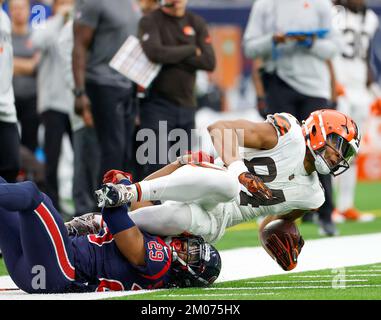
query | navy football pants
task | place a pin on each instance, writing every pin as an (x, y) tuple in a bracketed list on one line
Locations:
[(35, 245)]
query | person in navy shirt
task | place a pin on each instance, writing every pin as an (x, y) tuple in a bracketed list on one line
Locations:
[(41, 256)]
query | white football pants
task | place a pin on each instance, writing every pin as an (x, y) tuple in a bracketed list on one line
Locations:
[(190, 194)]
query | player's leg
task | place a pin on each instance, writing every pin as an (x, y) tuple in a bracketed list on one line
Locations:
[(173, 218), (13, 254), (207, 186), (46, 247), (10, 241), (170, 218)]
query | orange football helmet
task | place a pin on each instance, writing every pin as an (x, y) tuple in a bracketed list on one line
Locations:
[(330, 132)]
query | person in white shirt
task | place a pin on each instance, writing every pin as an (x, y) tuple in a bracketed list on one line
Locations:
[(9, 136), (358, 26)]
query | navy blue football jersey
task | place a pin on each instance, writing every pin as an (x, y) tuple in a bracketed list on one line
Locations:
[(100, 266)]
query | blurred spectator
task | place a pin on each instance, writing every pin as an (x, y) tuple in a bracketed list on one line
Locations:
[(102, 94), (85, 143), (259, 88), (39, 10), (148, 6), (355, 77), (31, 169), (26, 60), (296, 75), (209, 94), (9, 136), (179, 40), (54, 99)]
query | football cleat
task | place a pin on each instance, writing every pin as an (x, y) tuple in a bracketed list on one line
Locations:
[(353, 214), (113, 195), (327, 228)]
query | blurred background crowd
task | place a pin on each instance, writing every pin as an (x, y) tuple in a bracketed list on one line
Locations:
[(78, 118)]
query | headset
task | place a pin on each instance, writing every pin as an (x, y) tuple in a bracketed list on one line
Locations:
[(163, 3)]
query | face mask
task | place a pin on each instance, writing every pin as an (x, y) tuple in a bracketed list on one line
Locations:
[(321, 166)]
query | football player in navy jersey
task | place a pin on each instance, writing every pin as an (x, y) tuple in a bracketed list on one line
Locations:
[(36, 244)]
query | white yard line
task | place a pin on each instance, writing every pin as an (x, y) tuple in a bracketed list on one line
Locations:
[(305, 281), (245, 263), (333, 274), (364, 271), (218, 295), (293, 287)]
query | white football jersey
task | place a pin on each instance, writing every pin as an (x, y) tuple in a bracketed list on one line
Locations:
[(358, 30), (282, 170)]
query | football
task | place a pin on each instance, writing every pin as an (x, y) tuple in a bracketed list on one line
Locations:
[(282, 241), (279, 227)]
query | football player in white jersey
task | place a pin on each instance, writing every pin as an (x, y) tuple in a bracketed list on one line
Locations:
[(358, 26), (273, 175)]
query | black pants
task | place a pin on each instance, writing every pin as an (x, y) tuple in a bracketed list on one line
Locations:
[(86, 169), (114, 119), (282, 98), (161, 117), (56, 125), (29, 120), (10, 151)]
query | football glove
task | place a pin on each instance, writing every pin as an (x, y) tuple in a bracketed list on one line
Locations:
[(110, 176), (255, 186), (286, 251)]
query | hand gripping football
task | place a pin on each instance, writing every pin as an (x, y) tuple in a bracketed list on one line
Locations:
[(282, 241)]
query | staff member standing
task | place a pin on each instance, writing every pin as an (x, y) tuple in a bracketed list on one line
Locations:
[(53, 98), (26, 59), (9, 137), (296, 73), (179, 40), (103, 97)]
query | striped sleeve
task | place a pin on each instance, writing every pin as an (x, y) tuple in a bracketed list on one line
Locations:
[(281, 123)]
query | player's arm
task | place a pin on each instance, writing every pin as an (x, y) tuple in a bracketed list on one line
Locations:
[(128, 238), (228, 136)]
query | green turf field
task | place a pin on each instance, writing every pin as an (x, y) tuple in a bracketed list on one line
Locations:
[(354, 283)]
